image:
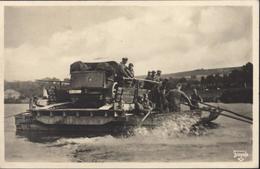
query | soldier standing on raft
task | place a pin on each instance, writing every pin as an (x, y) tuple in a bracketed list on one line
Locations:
[(147, 104), (161, 100), (153, 75), (143, 105), (149, 76), (123, 67), (130, 70), (195, 99), (175, 97), (158, 76)]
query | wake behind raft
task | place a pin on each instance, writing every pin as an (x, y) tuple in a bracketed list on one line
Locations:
[(98, 98)]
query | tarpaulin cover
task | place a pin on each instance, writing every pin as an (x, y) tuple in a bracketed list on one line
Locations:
[(109, 67)]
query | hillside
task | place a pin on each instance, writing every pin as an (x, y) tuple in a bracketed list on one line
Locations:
[(197, 73)]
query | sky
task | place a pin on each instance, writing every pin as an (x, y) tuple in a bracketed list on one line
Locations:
[(42, 41)]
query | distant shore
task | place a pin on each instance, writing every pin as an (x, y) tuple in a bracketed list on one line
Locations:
[(16, 102)]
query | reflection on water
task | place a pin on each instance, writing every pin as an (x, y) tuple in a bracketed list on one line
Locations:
[(49, 137), (38, 137)]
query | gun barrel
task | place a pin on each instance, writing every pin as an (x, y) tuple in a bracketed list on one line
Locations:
[(145, 80)]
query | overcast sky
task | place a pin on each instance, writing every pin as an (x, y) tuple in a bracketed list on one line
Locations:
[(43, 41)]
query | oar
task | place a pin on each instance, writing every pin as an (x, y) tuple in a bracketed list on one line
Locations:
[(248, 118), (232, 117), (145, 80), (144, 118)]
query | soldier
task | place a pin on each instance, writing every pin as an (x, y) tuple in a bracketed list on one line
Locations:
[(158, 75), (163, 91), (195, 99), (143, 105), (52, 93), (161, 102), (138, 104), (123, 67), (153, 75), (147, 104), (149, 75), (130, 70), (175, 97)]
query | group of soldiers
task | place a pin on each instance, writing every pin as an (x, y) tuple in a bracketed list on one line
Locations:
[(154, 75), (127, 70), (143, 104), (175, 97), (165, 100), (169, 100)]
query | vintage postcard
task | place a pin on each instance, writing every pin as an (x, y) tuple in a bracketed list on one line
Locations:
[(129, 84)]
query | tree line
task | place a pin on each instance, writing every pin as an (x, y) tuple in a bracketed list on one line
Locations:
[(27, 88), (237, 78)]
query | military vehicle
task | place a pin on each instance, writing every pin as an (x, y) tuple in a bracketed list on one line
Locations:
[(97, 97)]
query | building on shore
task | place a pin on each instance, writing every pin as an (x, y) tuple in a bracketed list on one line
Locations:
[(11, 94)]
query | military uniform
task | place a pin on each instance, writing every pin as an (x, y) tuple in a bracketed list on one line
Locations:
[(163, 88), (149, 75), (147, 104), (158, 76), (195, 99), (174, 98), (153, 75), (130, 70), (138, 105), (123, 67)]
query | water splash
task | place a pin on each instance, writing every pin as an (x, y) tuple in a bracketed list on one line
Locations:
[(169, 128), (176, 125)]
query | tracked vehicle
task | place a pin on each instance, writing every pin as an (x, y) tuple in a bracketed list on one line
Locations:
[(96, 98)]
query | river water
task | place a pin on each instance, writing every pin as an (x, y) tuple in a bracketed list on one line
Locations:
[(171, 142)]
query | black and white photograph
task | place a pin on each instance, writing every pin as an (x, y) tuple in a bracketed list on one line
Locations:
[(156, 83)]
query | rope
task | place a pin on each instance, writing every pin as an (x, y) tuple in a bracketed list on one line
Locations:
[(145, 117), (232, 117)]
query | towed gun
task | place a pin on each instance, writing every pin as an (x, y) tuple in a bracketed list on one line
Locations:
[(138, 79)]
